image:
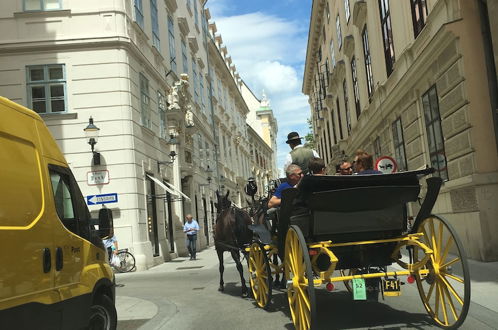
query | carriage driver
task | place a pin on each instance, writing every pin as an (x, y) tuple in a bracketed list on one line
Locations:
[(299, 155), (294, 175)]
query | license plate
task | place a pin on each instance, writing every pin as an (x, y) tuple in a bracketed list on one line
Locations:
[(392, 287)]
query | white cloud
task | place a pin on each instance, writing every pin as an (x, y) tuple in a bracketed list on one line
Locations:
[(269, 52)]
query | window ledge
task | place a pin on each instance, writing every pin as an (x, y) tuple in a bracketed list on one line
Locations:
[(57, 116), (43, 13), (140, 31)]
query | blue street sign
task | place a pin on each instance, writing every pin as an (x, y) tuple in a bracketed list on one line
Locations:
[(102, 199)]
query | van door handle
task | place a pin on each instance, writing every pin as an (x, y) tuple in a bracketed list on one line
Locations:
[(47, 260), (59, 260)]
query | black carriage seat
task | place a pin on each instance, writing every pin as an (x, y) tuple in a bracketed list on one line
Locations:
[(348, 208), (351, 209)]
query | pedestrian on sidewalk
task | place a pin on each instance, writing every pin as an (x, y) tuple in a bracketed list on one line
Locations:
[(191, 227)]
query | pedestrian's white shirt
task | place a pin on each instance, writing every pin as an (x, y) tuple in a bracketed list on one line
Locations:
[(288, 160)]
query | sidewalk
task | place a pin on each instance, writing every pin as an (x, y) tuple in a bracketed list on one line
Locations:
[(135, 312)]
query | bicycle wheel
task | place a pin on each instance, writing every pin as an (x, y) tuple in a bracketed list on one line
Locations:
[(126, 262)]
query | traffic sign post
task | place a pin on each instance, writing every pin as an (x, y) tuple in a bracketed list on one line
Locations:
[(102, 199), (386, 165)]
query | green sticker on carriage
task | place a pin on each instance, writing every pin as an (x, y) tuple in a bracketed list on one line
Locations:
[(359, 289)]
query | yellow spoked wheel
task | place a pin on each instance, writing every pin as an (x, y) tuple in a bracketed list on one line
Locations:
[(299, 276), (348, 272), (260, 275), (445, 290)]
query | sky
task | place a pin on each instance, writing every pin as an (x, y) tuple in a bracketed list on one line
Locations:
[(267, 42)]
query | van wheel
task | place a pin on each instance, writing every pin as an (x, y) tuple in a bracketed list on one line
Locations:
[(103, 315)]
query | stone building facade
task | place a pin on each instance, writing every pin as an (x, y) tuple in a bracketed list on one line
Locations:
[(155, 80), (415, 80)]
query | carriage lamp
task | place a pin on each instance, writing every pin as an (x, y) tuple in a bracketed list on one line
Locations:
[(92, 135), (172, 155)]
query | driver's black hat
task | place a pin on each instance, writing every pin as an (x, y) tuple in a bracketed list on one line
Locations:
[(293, 137)]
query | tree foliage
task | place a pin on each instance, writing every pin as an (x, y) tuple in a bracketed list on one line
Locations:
[(309, 138)]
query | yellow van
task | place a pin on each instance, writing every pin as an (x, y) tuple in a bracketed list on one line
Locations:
[(54, 272)]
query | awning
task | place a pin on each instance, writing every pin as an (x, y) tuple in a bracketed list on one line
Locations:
[(162, 185), (178, 191)]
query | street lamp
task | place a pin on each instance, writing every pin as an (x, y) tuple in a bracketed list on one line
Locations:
[(92, 135), (172, 155)]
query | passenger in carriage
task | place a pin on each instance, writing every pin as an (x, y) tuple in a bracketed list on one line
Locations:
[(364, 165), (317, 166), (345, 168), (294, 175)]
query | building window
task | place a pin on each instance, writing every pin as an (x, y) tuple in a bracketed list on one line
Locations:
[(356, 89), (42, 5), (387, 35), (330, 142), (332, 53), (434, 132), (346, 105), (339, 119), (333, 126), (194, 75), (145, 102), (377, 147), (161, 105), (399, 145), (368, 62), (347, 10), (155, 24), (201, 91), (328, 12), (184, 57), (46, 88), (139, 16), (419, 15), (196, 14), (172, 48), (338, 31)]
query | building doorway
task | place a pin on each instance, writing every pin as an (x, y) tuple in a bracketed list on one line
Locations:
[(169, 222), (152, 216), (206, 225)]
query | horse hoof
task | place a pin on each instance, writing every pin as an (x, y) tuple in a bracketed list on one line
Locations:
[(221, 289)]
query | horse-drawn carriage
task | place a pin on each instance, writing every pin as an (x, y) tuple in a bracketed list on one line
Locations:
[(356, 226)]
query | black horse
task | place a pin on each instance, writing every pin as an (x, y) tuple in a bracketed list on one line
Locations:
[(231, 234)]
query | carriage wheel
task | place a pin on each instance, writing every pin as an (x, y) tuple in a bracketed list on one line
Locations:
[(260, 275), (347, 283), (298, 273), (445, 291)]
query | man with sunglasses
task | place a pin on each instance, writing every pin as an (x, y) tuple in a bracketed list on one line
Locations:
[(294, 175), (345, 168)]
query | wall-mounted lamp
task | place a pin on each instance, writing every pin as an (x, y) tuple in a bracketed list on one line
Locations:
[(92, 135), (172, 140), (172, 155)]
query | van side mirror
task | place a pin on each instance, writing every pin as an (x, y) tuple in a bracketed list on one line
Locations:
[(106, 223)]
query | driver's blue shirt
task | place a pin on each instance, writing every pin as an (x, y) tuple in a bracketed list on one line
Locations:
[(280, 188)]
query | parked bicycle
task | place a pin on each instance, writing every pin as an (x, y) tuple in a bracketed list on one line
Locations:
[(126, 262)]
